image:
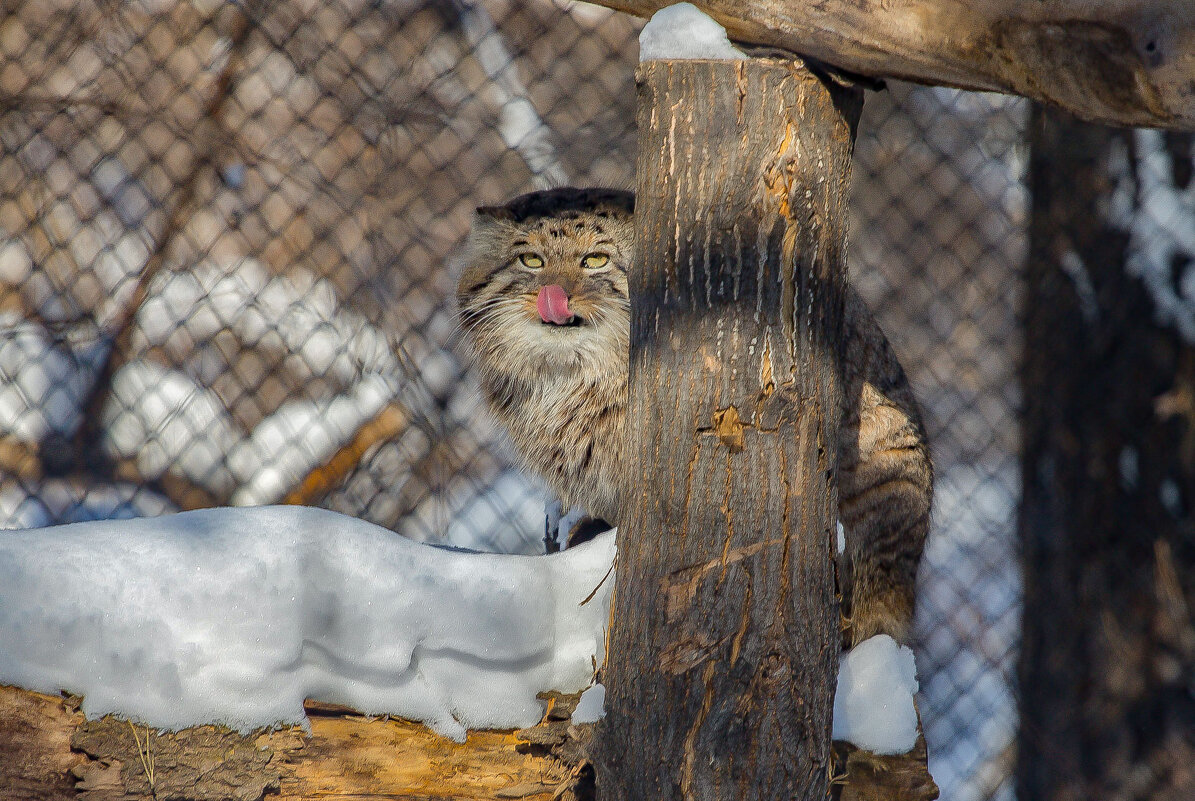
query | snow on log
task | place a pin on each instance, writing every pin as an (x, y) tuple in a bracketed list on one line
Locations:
[(1119, 63), (236, 616), (683, 31)]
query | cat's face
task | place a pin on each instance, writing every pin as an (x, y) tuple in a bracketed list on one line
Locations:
[(546, 282)]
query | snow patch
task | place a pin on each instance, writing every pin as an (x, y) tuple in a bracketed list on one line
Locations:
[(591, 707), (42, 380), (683, 31), (167, 422), (301, 436), (1161, 235), (301, 313), (873, 706), (237, 615)]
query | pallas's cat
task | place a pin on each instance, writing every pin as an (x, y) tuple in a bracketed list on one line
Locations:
[(543, 303)]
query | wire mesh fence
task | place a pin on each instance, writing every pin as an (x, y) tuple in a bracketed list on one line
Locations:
[(938, 242), (224, 237)]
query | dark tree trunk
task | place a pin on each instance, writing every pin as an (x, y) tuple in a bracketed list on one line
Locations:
[(725, 630), (1108, 654)]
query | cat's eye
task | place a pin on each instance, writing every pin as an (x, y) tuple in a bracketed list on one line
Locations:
[(595, 260), (531, 260)]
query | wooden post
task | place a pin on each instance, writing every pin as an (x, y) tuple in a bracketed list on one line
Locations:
[(725, 627), (1108, 471)]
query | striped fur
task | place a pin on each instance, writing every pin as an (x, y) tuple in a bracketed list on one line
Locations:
[(562, 391)]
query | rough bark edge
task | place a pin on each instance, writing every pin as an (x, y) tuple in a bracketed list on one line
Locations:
[(48, 751)]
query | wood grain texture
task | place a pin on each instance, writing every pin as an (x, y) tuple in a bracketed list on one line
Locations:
[(725, 627), (48, 752), (1130, 62), (35, 754)]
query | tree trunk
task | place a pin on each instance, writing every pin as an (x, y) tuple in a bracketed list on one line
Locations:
[(725, 628), (1109, 470)]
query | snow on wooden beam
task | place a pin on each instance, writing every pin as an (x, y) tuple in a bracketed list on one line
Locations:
[(1121, 63)]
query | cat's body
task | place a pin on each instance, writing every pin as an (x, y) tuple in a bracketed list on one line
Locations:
[(543, 301)]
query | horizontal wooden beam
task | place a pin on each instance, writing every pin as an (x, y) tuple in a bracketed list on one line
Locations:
[(48, 752), (1130, 62)]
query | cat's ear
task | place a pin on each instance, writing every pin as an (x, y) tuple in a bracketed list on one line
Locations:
[(495, 213), (489, 228)]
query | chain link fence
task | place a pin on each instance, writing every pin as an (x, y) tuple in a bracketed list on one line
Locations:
[(938, 243), (224, 230)]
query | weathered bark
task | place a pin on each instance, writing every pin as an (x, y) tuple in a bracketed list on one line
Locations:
[(1126, 63), (35, 754), (725, 627), (48, 752), (1108, 646)]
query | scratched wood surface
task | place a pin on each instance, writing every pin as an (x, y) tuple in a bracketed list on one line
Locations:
[(725, 624)]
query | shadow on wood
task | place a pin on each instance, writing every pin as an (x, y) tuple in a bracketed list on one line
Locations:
[(725, 629)]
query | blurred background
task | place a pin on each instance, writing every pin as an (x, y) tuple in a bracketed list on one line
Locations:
[(226, 236)]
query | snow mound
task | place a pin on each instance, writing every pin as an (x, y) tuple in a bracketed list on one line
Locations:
[(873, 707), (683, 31), (237, 615)]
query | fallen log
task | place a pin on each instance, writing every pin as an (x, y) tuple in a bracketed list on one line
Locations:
[(49, 752)]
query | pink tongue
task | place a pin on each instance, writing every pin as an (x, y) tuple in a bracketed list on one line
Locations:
[(552, 305)]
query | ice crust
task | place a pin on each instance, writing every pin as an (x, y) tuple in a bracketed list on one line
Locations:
[(682, 31), (236, 615)]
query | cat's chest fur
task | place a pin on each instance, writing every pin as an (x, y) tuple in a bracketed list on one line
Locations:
[(568, 429)]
